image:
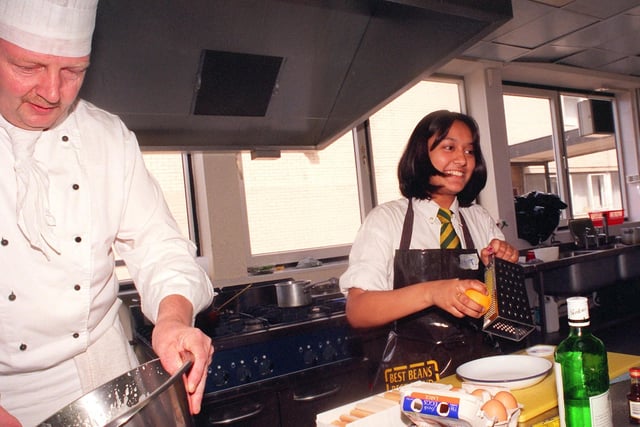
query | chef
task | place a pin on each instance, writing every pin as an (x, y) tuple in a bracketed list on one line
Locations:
[(74, 187)]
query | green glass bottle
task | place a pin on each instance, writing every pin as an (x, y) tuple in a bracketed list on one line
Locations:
[(582, 373)]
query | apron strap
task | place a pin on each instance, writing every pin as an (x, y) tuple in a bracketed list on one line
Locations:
[(468, 241), (407, 229)]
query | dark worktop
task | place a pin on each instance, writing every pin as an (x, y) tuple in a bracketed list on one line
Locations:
[(596, 253)]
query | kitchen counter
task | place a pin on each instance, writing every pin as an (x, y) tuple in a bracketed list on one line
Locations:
[(594, 253), (581, 274), (540, 401)]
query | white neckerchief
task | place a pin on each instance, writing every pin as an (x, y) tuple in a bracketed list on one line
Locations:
[(32, 204)]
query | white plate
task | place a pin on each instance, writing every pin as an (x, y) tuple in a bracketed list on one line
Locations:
[(512, 371), (541, 350)]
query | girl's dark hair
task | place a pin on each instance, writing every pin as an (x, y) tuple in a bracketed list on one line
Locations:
[(415, 168)]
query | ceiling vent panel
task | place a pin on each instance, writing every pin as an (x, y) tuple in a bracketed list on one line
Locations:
[(235, 84)]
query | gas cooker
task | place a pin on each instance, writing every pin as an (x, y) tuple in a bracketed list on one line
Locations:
[(256, 342)]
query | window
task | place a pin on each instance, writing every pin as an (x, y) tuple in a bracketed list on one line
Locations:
[(307, 204), (565, 144), (169, 170), (392, 126), (302, 201), (289, 199)]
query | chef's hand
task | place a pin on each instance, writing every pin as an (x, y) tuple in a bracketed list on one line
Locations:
[(8, 420), (172, 335), (500, 249), (450, 296)]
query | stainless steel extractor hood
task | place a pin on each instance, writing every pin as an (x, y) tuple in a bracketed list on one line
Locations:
[(160, 64)]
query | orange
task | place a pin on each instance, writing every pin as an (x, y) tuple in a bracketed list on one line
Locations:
[(480, 298)]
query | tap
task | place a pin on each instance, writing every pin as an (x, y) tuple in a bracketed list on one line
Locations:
[(605, 227), (589, 233)]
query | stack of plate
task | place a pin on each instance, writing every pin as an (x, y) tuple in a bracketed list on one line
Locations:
[(511, 371)]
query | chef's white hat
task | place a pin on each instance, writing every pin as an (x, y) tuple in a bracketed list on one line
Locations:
[(54, 27)]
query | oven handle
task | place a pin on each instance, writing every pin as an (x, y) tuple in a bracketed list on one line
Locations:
[(259, 408), (302, 398)]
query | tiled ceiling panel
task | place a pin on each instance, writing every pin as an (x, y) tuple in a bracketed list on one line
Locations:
[(602, 32), (595, 58), (548, 53), (601, 35), (496, 51), (546, 29), (629, 66), (601, 9)]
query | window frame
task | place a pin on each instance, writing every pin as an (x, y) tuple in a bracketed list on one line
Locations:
[(327, 253), (554, 95)]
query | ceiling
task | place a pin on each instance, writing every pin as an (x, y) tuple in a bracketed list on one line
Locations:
[(601, 35), (330, 64), (337, 61)]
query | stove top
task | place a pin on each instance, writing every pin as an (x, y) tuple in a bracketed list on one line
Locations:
[(266, 317), (255, 340)]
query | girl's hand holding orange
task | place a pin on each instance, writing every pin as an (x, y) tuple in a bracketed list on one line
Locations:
[(480, 298)]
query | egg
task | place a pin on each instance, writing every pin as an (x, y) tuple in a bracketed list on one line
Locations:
[(495, 410), (481, 394), (507, 399)]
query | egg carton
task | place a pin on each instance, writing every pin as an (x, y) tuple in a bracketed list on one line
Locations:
[(379, 410), (432, 404)]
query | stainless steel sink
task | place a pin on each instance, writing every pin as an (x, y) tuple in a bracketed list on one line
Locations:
[(629, 264), (578, 252), (581, 277)]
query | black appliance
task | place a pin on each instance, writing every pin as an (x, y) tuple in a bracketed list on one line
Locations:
[(275, 366)]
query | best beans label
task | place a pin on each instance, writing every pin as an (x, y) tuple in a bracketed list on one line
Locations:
[(404, 374)]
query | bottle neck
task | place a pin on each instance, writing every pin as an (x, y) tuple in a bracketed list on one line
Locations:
[(579, 324), (578, 330)]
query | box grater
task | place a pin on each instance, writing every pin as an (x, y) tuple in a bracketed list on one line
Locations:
[(509, 315)]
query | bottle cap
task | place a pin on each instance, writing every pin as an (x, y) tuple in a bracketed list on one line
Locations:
[(634, 372), (578, 311)]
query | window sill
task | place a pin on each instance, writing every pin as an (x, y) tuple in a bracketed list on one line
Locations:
[(332, 268)]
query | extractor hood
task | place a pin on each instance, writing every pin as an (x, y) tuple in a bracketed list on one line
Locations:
[(190, 75)]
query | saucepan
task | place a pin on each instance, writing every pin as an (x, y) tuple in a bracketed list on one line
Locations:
[(294, 293), (297, 293), (146, 396)]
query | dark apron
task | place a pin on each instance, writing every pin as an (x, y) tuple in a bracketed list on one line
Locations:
[(432, 343)]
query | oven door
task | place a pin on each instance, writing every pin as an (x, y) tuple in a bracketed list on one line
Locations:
[(321, 389), (256, 409)]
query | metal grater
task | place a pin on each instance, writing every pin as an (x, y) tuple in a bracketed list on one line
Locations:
[(509, 315)]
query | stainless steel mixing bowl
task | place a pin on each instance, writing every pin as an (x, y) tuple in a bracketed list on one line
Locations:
[(146, 396)]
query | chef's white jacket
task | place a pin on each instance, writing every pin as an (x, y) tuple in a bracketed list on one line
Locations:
[(372, 252), (101, 196)]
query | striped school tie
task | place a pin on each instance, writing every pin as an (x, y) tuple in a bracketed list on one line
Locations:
[(448, 237)]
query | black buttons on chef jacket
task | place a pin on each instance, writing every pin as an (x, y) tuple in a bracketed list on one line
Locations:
[(78, 239), (12, 296), (76, 335), (75, 186), (65, 138), (77, 287), (23, 347), (4, 242)]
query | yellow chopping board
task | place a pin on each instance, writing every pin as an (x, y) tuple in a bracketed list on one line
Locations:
[(541, 397)]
